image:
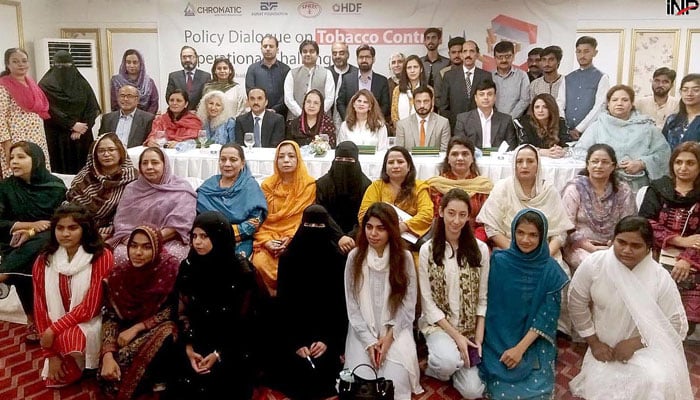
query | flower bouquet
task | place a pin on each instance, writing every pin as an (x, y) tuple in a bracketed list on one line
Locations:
[(320, 145)]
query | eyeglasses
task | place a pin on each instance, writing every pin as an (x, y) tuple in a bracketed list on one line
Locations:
[(128, 96), (107, 150)]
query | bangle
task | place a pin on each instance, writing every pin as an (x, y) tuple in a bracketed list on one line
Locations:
[(31, 232), (218, 356)]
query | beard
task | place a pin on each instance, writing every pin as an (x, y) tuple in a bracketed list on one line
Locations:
[(188, 65), (365, 67), (661, 92)]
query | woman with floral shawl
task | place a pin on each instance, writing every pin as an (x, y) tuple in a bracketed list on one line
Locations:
[(235, 194), (313, 121), (132, 72), (138, 326), (288, 192), (160, 198), (524, 298), (101, 182)]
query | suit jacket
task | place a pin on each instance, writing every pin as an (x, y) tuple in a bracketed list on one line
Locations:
[(272, 130), (176, 80), (350, 86), (469, 124), (437, 132), (140, 126), (452, 98)]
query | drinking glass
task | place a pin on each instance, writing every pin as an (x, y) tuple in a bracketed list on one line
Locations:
[(161, 140), (249, 140), (202, 136)]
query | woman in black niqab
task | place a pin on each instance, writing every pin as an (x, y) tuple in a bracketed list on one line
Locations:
[(311, 297)]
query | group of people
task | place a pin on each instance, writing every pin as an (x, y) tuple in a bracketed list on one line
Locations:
[(115, 272)]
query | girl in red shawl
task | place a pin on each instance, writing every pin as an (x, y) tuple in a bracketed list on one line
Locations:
[(138, 327), (68, 295), (178, 123), (23, 108)]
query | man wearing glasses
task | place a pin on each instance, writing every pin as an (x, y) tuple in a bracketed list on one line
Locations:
[(512, 84), (129, 123), (189, 78)]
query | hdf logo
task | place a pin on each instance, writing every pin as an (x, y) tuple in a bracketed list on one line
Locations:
[(681, 7)]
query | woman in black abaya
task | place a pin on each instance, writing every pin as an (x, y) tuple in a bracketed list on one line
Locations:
[(73, 108)]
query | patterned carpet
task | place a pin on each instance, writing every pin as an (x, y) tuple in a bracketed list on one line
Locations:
[(19, 373)]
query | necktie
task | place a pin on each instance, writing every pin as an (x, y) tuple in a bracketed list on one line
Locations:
[(256, 132), (189, 82), (468, 75), (422, 132)]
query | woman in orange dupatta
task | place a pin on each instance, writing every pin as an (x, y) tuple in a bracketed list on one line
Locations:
[(288, 192)]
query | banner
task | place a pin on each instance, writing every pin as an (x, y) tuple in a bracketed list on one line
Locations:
[(234, 29)]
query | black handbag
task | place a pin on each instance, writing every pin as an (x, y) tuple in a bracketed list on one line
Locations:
[(353, 387)]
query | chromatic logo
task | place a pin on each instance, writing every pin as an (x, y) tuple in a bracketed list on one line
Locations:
[(309, 9), (347, 8), (681, 7), (189, 10), (268, 5)]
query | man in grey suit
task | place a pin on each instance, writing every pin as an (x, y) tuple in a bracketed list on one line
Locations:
[(425, 128), (456, 95), (267, 126), (485, 126), (189, 79), (365, 78), (129, 123)]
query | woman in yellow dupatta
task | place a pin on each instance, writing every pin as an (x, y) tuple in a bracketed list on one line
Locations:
[(459, 170), (288, 192)]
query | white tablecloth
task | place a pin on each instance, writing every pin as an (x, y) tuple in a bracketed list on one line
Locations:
[(205, 163)]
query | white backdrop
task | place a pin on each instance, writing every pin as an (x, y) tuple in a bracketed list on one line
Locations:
[(234, 29)]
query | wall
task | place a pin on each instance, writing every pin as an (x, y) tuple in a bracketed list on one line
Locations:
[(45, 18)]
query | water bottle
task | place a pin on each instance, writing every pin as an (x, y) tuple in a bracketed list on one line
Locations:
[(185, 146)]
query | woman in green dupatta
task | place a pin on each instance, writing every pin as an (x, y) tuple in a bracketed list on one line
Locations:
[(28, 199), (222, 74)]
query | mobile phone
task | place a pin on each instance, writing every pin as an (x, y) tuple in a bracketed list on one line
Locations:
[(474, 357)]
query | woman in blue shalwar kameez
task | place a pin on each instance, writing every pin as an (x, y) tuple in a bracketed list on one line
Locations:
[(524, 298)]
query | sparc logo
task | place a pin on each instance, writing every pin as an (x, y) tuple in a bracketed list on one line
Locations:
[(189, 10), (309, 9), (268, 5), (681, 7), (347, 8)]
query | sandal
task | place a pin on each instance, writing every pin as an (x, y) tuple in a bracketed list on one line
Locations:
[(32, 335)]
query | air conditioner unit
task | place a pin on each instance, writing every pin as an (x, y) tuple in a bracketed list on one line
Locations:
[(84, 58)]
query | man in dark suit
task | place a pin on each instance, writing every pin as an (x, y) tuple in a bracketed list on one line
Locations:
[(455, 95), (129, 123), (364, 79), (189, 79), (267, 126), (485, 126)]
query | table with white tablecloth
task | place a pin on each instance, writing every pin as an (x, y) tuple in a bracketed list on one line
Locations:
[(203, 163)]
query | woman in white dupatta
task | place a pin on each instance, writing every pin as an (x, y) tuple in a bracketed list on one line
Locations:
[(628, 309), (526, 188), (70, 272), (380, 295)]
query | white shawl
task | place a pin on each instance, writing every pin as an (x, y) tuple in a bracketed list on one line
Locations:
[(403, 349), (80, 271)]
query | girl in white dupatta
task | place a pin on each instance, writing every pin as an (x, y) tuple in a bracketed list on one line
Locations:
[(380, 295), (628, 309), (70, 272)]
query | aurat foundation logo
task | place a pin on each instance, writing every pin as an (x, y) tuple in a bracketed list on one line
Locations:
[(681, 7)]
